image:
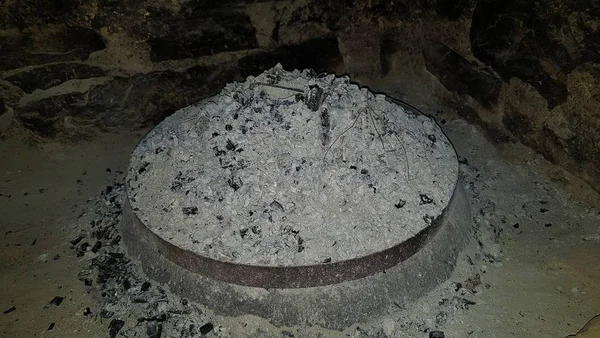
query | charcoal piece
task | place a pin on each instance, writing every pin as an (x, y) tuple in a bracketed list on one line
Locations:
[(34, 241), (326, 127), (126, 284), (462, 303), (82, 248), (143, 168), (547, 225), (400, 204), (76, 240), (300, 244), (429, 219), (314, 97), (154, 330), (88, 282), (230, 145), (51, 326), (96, 246), (235, 183), (116, 240), (114, 327), (55, 301), (87, 311), (436, 334), (206, 328), (275, 205), (161, 318), (145, 286), (106, 314), (228, 127), (218, 152), (425, 199), (9, 310), (189, 211)]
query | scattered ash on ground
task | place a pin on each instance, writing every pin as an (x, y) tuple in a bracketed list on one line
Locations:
[(132, 305), (508, 201)]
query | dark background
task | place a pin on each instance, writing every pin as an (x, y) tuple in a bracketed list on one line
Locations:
[(525, 71)]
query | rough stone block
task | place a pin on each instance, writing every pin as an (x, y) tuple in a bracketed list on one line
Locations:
[(52, 43), (48, 76)]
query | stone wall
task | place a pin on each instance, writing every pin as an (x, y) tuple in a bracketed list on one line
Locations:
[(525, 71)]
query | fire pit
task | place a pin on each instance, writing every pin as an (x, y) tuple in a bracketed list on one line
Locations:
[(291, 194)]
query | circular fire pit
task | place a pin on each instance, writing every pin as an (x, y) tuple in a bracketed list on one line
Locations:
[(291, 183)]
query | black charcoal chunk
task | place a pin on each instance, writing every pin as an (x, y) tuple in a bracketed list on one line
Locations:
[(400, 204), (425, 199), (154, 330), (106, 314), (315, 97), (55, 301), (189, 211), (206, 328), (9, 310), (114, 327)]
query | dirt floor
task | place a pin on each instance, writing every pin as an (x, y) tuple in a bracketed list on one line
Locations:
[(530, 271)]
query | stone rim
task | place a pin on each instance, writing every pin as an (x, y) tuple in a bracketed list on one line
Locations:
[(282, 277)]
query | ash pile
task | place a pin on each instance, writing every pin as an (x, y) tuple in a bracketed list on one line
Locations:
[(291, 169), (128, 303)]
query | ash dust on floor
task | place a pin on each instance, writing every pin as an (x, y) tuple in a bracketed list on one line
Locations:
[(42, 189), (530, 271)]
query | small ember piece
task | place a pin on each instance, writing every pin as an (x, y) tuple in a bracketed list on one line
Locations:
[(400, 204), (436, 334), (189, 210), (206, 328), (55, 301), (9, 310), (425, 199), (114, 327)]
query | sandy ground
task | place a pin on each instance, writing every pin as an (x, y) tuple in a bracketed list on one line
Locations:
[(538, 226), (42, 190)]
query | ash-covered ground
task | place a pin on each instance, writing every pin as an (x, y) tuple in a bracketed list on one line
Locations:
[(528, 272), (523, 210)]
